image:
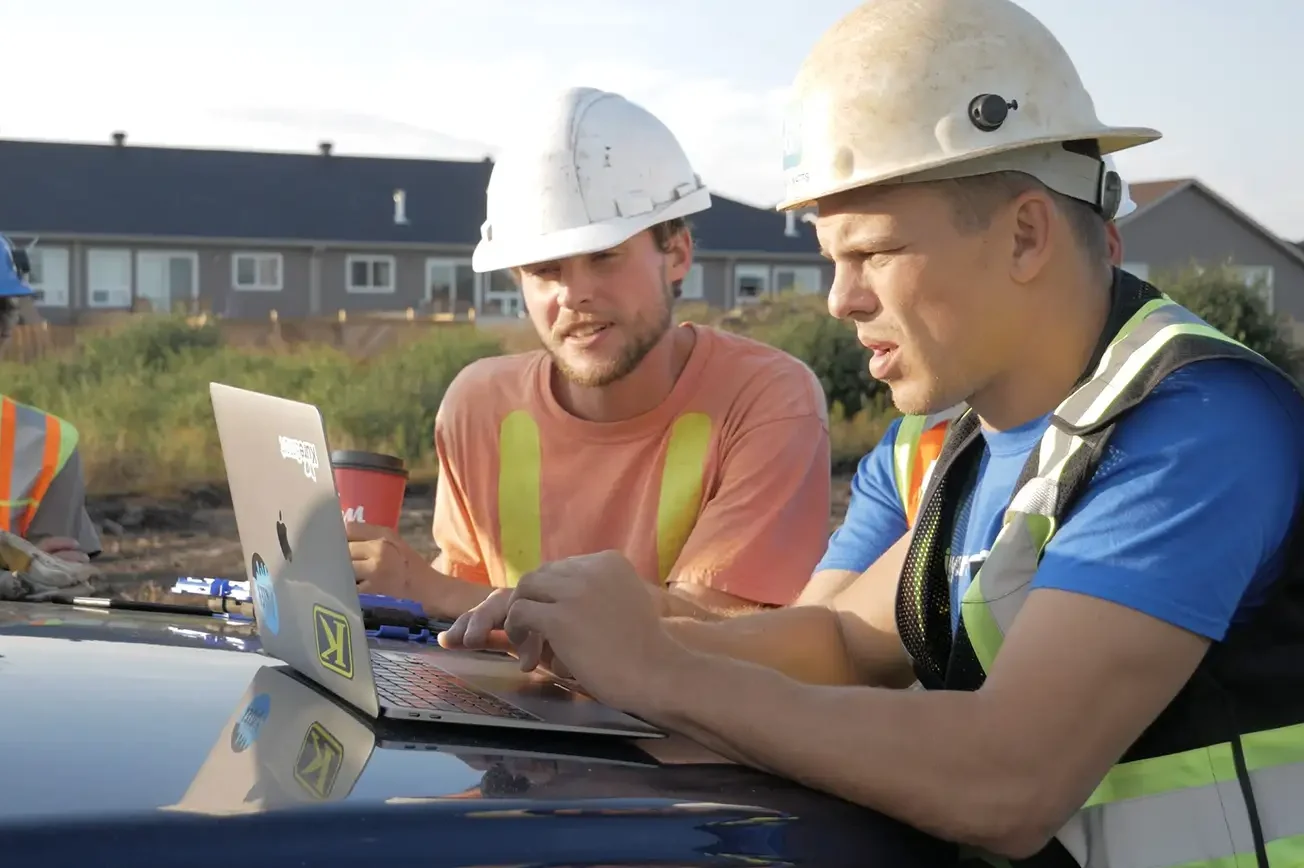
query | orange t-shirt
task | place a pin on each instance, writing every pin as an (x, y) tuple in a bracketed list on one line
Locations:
[(726, 483)]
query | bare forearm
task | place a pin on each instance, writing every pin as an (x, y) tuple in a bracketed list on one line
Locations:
[(803, 643), (446, 597), (926, 758)]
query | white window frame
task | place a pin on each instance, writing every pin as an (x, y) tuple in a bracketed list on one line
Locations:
[(814, 283), (511, 299), (1248, 273), (258, 256), (41, 272), (693, 287), (372, 259), (751, 269), (1140, 269), (146, 255), (122, 296), (453, 263)]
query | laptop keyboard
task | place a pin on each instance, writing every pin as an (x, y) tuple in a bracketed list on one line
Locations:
[(409, 681)]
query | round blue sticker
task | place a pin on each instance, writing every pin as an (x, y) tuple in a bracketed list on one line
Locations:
[(268, 616), (245, 731)]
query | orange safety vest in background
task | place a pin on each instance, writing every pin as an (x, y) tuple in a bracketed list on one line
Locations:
[(915, 448), (34, 447)]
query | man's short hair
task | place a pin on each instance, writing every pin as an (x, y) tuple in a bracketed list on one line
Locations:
[(977, 198)]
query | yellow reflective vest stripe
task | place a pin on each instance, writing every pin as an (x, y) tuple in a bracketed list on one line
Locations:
[(34, 447), (520, 471), (915, 448), (1183, 810)]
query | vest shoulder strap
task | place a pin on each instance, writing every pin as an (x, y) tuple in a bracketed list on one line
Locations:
[(1159, 339)]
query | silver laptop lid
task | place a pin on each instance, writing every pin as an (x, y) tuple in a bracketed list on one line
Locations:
[(296, 552)]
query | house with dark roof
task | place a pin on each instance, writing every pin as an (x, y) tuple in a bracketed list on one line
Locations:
[(242, 234), (1182, 221)]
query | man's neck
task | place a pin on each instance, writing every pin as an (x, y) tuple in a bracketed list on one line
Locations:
[(639, 392), (1057, 353)]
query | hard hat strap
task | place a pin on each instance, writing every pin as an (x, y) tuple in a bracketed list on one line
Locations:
[(1077, 176)]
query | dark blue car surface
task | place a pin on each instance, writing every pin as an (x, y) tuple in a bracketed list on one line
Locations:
[(143, 739)]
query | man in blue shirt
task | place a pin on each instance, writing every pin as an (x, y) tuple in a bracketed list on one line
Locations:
[(884, 491), (1104, 614)]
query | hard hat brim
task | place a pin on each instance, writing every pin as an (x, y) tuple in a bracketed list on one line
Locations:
[(1110, 139), (495, 255)]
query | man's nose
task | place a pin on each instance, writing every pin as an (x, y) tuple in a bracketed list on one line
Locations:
[(850, 296), (576, 288)]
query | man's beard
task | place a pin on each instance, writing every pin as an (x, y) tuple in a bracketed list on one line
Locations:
[(644, 337)]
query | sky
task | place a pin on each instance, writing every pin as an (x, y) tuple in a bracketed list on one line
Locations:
[(448, 78)]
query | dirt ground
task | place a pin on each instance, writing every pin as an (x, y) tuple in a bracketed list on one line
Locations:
[(149, 543)]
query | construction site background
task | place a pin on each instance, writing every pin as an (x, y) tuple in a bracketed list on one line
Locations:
[(136, 385)]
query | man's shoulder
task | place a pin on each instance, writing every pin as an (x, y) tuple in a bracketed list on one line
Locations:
[(765, 379), (481, 389), (1226, 394), (1220, 418)]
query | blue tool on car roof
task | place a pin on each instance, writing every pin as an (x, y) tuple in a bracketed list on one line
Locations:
[(385, 617)]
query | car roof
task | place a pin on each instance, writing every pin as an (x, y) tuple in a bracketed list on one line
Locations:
[(170, 724)]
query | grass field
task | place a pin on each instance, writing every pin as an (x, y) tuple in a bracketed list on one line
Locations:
[(139, 395)]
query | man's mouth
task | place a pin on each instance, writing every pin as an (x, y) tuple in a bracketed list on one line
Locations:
[(882, 363), (584, 331)]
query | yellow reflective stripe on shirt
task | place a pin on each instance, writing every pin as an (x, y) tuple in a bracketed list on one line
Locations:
[(520, 472), (520, 468), (681, 487)]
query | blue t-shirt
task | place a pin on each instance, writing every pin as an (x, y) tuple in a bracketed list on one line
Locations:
[(875, 518), (1184, 520)]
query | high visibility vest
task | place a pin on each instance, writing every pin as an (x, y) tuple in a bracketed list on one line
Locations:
[(915, 448), (520, 464), (1219, 776), (34, 447)]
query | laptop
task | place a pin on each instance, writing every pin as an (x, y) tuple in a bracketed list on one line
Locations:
[(296, 555), (286, 744)]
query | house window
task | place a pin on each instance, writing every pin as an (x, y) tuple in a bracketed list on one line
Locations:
[(108, 278), (1258, 277), (692, 286), (257, 272), (751, 281), (502, 297), (801, 279), (49, 277), (369, 273), (450, 285), (1140, 269)]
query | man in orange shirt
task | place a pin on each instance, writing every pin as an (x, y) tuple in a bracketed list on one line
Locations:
[(701, 455)]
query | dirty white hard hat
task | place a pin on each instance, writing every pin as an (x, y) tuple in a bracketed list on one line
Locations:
[(590, 171), (916, 90), (1125, 204)]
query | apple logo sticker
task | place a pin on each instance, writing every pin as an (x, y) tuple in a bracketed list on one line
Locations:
[(283, 537)]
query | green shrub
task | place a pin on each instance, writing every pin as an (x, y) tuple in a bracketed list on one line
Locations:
[(139, 397), (1220, 297)]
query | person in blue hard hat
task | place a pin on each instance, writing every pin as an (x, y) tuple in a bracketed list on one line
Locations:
[(42, 489)]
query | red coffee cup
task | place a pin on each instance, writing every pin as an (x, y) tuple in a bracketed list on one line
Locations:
[(370, 485)]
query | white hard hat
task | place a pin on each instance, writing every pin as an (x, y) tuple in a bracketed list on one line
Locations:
[(1125, 204), (593, 171), (916, 90)]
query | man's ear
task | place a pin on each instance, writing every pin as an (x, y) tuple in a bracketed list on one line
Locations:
[(679, 256), (1034, 222), (1114, 240)]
